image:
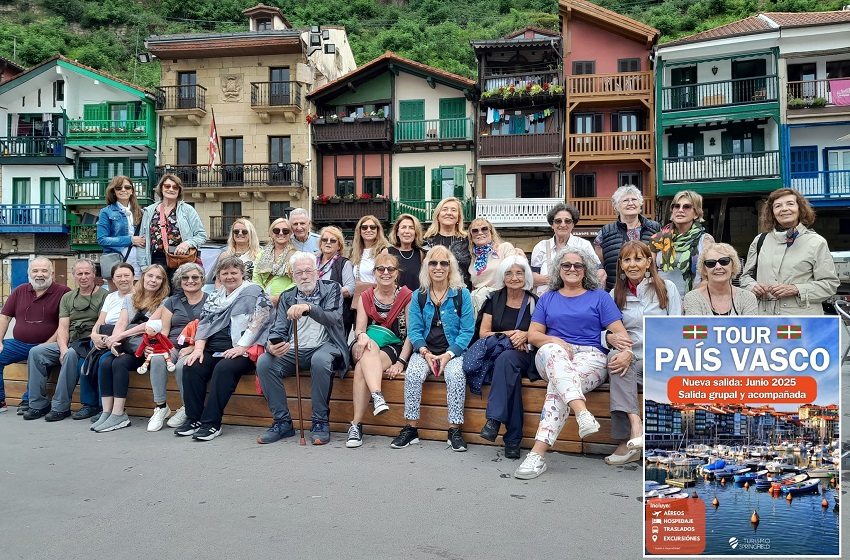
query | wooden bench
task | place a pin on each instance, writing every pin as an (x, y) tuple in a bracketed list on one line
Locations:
[(246, 408)]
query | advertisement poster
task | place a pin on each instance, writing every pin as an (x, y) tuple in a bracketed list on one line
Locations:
[(742, 420)]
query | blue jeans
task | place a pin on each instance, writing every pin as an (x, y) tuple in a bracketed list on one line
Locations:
[(13, 352)]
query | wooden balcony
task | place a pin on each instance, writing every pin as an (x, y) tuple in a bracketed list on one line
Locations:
[(823, 186), (600, 210), (424, 209), (32, 218), (187, 101), (495, 77), (439, 133), (87, 131), (276, 98), (84, 237), (610, 146), (32, 150), (347, 214), (518, 212), (88, 192), (220, 226), (236, 176), (362, 134), (608, 87), (739, 91), (818, 97), (520, 145), (723, 167)]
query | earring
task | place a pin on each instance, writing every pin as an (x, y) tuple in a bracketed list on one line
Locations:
[(622, 276), (647, 274)]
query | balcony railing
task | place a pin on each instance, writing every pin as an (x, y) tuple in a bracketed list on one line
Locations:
[(220, 226), (275, 94), (91, 130), (32, 146), (624, 84), (424, 209), (348, 213), (610, 143), (433, 130), (828, 89), (32, 218), (822, 184), (495, 78), (93, 191), (358, 131), (753, 165), (84, 237), (236, 175), (187, 97), (519, 145), (760, 89), (515, 212), (600, 210)]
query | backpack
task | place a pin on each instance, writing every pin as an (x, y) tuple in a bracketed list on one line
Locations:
[(458, 299)]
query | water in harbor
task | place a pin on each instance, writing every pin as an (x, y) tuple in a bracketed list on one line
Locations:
[(799, 527)]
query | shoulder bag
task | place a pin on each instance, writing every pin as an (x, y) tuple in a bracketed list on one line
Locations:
[(172, 259)]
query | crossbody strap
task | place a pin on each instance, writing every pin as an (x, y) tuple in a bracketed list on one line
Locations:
[(162, 229), (130, 248)]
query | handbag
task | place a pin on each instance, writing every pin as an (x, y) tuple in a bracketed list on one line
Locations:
[(173, 260), (382, 336), (131, 344)]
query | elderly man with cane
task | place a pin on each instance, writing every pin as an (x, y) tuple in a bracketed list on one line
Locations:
[(316, 306)]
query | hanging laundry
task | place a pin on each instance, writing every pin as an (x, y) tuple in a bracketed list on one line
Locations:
[(490, 119)]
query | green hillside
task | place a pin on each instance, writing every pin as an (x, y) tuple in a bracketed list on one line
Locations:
[(106, 34)]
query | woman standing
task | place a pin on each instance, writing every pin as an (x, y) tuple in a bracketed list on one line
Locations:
[(447, 230), (441, 327), (563, 218), (507, 313), (639, 292), (148, 295), (235, 317), (176, 312), (789, 267), (169, 226), (406, 239), (369, 242), (272, 270), (718, 265), (566, 328), (118, 227), (380, 342), (243, 243), (333, 266), (679, 243)]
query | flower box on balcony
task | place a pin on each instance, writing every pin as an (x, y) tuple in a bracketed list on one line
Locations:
[(347, 119)]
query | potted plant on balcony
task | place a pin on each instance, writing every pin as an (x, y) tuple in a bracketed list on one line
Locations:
[(818, 102), (332, 118), (348, 198), (335, 199), (378, 115), (322, 199), (365, 117), (796, 103), (315, 119), (345, 118), (379, 199), (363, 198)]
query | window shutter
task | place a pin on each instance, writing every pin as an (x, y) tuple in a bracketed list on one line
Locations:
[(460, 183), (598, 123), (758, 140), (726, 144), (615, 122), (436, 183)]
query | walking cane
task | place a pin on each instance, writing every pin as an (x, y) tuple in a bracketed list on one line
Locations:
[(298, 382)]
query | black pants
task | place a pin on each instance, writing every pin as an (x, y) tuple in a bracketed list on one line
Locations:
[(222, 375), (115, 374), (505, 401)]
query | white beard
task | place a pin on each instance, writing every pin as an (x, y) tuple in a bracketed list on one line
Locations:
[(41, 285)]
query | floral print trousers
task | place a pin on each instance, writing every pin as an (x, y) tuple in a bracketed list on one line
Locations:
[(417, 370), (568, 380)]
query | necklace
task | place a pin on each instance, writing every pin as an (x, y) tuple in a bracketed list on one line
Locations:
[(711, 303), (438, 300), (400, 252)]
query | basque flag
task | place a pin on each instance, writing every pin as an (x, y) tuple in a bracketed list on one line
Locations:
[(213, 145), (789, 331), (695, 331)]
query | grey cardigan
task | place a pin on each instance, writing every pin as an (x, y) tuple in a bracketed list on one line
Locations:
[(745, 303), (191, 229)]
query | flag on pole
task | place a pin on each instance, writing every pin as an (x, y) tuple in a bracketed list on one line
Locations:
[(213, 148)]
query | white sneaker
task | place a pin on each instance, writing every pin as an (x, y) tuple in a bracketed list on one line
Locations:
[(178, 419), (158, 418), (532, 467), (587, 424)]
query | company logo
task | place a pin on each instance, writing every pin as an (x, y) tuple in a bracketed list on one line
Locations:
[(733, 542), (749, 544)]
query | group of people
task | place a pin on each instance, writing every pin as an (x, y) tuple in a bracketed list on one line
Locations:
[(453, 302)]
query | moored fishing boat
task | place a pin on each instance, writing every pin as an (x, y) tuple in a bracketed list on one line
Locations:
[(803, 487), (750, 476), (766, 482), (797, 478)]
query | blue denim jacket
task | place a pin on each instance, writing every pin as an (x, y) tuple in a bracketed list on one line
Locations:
[(112, 232), (458, 330)]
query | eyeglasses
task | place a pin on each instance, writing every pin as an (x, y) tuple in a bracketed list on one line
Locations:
[(569, 265), (383, 269), (240, 232), (559, 221), (329, 240), (723, 261), (365, 227), (435, 264), (124, 188), (74, 302), (27, 312), (517, 274), (280, 231), (167, 187), (684, 206), (193, 278), (305, 272), (629, 200), (482, 229)]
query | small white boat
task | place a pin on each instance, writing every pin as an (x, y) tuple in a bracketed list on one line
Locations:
[(784, 463)]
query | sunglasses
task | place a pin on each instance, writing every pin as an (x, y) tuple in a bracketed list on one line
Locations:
[(383, 269), (684, 206), (482, 229), (569, 265), (240, 232), (280, 231), (723, 261), (330, 240), (124, 188), (435, 264), (559, 221), (167, 187), (193, 278), (365, 227)]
